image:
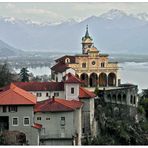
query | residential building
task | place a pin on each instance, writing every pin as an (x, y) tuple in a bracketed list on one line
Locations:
[(60, 120), (17, 113)]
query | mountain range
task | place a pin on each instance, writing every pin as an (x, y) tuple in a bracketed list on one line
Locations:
[(112, 32), (7, 50)]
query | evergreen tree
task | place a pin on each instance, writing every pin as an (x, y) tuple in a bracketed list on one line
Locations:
[(24, 76), (6, 77)]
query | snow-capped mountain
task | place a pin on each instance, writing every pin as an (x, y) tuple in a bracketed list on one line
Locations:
[(113, 31), (142, 16), (113, 14)]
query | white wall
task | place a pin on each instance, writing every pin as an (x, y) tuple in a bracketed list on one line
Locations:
[(53, 127), (50, 94), (68, 94)]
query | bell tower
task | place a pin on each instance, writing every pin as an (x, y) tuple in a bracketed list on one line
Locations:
[(87, 42)]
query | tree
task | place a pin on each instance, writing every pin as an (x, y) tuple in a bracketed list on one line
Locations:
[(6, 77), (96, 90), (24, 76)]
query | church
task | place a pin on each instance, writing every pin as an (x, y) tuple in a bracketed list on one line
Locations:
[(91, 67)]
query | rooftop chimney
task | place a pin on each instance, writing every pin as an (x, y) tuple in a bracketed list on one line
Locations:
[(53, 98)]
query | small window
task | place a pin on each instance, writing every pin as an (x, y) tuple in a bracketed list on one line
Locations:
[(62, 121), (13, 108), (134, 101), (39, 94), (15, 121), (72, 90), (102, 64), (83, 130), (26, 121), (47, 94), (83, 65), (131, 100), (67, 60), (56, 94), (38, 118), (4, 109), (48, 118)]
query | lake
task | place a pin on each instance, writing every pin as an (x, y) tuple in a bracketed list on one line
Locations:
[(130, 72)]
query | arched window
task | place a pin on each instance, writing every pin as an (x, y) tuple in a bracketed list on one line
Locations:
[(114, 98), (134, 100), (124, 98), (109, 97), (131, 99), (93, 80), (84, 78), (102, 79), (119, 97), (67, 60), (111, 79)]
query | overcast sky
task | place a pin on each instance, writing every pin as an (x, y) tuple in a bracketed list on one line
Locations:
[(56, 12)]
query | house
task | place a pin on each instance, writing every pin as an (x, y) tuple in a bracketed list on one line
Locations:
[(69, 89), (60, 120), (17, 113)]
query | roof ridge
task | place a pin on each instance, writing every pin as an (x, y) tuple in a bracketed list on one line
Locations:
[(17, 92), (64, 104), (86, 91)]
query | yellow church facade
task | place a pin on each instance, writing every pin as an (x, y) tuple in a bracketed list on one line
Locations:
[(92, 67)]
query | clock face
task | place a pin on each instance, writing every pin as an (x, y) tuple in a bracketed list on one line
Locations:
[(93, 62)]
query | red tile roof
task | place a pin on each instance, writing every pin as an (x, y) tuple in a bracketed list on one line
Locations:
[(16, 96), (60, 67), (40, 86), (83, 93), (57, 105), (70, 78), (72, 59), (36, 125)]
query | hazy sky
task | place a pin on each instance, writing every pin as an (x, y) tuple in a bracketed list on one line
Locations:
[(55, 12)]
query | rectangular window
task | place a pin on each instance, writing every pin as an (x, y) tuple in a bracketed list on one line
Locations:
[(102, 64), (39, 94), (38, 118), (56, 94), (4, 109), (62, 121), (15, 121), (83, 65), (83, 130), (13, 108), (72, 90), (48, 118), (26, 121), (47, 94)]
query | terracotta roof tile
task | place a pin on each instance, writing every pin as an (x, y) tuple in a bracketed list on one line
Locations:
[(57, 105), (83, 93), (41, 86), (72, 59), (16, 96), (70, 78), (60, 67)]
